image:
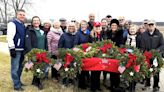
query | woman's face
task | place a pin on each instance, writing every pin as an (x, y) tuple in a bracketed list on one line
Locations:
[(97, 29), (132, 30), (47, 25), (142, 30), (114, 27), (83, 26), (71, 28), (104, 23), (36, 22)]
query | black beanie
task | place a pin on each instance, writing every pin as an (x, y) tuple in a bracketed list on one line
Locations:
[(114, 21)]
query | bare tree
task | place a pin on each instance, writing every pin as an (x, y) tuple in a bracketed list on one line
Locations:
[(3, 10), (19, 4), (8, 8)]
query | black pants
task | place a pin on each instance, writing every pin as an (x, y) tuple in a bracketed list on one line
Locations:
[(95, 80), (114, 80), (54, 72), (156, 81), (84, 78), (36, 81)]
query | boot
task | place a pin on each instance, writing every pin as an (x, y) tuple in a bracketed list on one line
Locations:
[(34, 81), (40, 85)]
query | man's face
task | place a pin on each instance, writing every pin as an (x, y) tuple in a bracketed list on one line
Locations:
[(91, 18), (21, 16), (63, 23), (122, 22), (104, 23), (109, 19), (47, 25), (151, 27), (146, 25)]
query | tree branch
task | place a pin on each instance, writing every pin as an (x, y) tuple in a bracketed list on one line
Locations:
[(2, 14), (24, 2)]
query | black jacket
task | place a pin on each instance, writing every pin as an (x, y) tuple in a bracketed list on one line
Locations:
[(154, 41), (31, 40), (116, 37)]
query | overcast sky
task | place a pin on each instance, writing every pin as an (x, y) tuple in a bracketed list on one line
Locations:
[(136, 10)]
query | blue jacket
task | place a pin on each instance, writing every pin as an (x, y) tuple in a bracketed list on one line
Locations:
[(66, 41), (82, 37), (19, 38)]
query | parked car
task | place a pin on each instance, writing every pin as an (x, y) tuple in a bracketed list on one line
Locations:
[(3, 29)]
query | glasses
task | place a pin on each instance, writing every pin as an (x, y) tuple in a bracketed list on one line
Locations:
[(151, 24), (73, 21)]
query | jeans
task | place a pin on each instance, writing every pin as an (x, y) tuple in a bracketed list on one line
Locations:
[(16, 68)]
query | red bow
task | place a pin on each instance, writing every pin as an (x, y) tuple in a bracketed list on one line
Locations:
[(41, 57), (122, 50), (136, 68), (105, 47), (68, 59), (132, 58), (85, 46), (148, 56)]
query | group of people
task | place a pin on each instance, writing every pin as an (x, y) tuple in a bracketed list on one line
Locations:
[(63, 34)]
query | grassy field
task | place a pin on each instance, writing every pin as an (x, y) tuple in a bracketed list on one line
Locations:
[(6, 82), (3, 38)]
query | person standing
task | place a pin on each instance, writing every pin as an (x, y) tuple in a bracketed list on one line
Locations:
[(36, 38), (81, 37), (46, 26), (115, 35), (152, 39), (67, 39), (95, 75), (15, 38), (52, 39), (63, 24), (91, 21)]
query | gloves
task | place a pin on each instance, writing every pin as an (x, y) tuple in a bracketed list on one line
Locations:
[(12, 53)]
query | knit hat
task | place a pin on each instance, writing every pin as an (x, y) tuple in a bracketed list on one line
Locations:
[(114, 21), (97, 24)]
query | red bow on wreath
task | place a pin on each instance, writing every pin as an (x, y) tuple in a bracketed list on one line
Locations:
[(68, 59), (132, 59), (148, 56), (105, 47), (85, 46), (41, 57), (122, 50)]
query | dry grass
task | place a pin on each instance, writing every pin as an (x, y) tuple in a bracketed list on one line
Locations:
[(3, 38), (6, 82)]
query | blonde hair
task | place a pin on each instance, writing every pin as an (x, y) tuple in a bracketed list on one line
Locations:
[(133, 26), (71, 24)]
